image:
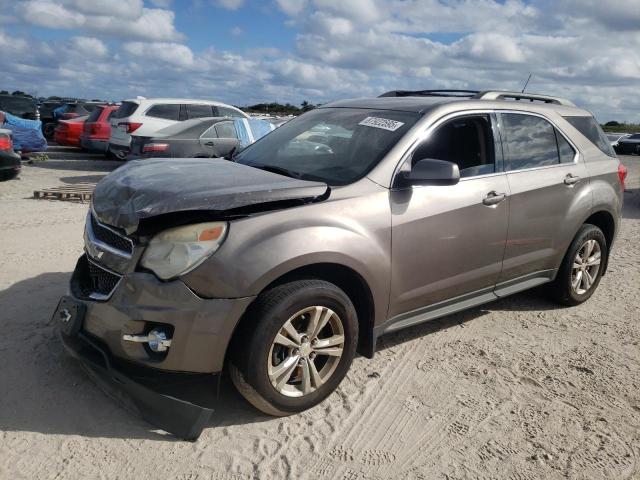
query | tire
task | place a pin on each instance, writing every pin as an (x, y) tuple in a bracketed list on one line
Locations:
[(561, 288), (255, 355), (8, 175)]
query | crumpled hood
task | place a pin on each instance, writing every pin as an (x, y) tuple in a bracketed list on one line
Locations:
[(147, 188)]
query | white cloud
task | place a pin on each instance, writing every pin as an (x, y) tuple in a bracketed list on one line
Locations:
[(229, 4), (292, 7), (128, 19), (89, 46), (171, 53)]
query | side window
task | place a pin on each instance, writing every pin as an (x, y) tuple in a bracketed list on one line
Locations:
[(166, 111), (229, 112), (466, 141), (226, 130), (566, 151), (529, 141), (209, 133), (199, 111)]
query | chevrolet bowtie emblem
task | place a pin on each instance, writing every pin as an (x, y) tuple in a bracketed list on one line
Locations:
[(65, 316)]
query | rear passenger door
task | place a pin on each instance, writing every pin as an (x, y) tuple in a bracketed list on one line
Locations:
[(219, 139), (549, 198)]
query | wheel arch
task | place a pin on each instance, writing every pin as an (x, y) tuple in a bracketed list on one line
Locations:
[(605, 221), (345, 278)]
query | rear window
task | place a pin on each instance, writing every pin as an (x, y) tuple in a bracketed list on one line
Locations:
[(125, 110), (588, 127), (168, 111), (94, 115), (199, 111)]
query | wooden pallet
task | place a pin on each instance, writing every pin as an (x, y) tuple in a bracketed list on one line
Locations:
[(79, 191)]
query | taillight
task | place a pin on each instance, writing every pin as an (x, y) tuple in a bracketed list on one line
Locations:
[(155, 147), (131, 127), (6, 143), (622, 175)]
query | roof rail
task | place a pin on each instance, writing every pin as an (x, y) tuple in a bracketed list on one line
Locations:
[(532, 97), (431, 93)]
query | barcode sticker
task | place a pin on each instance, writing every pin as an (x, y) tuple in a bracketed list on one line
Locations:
[(384, 123)]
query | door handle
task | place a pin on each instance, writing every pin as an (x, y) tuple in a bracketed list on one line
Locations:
[(493, 198), (210, 144), (571, 179)]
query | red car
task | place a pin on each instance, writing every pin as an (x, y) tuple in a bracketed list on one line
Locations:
[(97, 129), (68, 132)]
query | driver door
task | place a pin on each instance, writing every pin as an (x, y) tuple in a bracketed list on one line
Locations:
[(448, 242)]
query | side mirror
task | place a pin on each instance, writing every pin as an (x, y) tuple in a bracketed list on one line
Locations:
[(430, 171)]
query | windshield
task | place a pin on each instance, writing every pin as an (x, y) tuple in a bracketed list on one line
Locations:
[(613, 138), (333, 145)]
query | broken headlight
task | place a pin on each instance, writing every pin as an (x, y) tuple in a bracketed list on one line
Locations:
[(179, 250)]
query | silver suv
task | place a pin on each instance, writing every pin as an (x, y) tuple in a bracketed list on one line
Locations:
[(351, 221)]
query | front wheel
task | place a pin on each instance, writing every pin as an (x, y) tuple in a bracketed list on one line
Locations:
[(296, 347), (582, 267)]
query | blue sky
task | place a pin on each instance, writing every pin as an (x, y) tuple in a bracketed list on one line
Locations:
[(249, 51)]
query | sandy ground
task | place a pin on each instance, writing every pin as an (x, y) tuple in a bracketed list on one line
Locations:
[(518, 389)]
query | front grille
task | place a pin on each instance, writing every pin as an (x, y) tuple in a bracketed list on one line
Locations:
[(92, 281), (111, 238)]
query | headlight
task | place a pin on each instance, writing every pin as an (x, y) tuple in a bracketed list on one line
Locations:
[(178, 250)]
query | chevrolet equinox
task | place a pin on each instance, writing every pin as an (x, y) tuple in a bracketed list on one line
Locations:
[(354, 220)]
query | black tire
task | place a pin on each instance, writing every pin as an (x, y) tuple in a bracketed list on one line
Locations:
[(251, 346), (561, 289), (8, 175)]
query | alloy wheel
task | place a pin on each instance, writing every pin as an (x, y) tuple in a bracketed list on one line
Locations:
[(586, 265), (306, 351)]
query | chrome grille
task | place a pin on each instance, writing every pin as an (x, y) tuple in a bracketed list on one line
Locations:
[(110, 237)]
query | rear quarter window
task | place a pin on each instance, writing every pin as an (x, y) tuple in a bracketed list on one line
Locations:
[(588, 127), (94, 115)]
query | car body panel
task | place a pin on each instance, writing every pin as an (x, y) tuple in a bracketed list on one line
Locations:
[(68, 132)]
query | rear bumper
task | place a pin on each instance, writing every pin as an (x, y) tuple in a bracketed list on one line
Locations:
[(148, 393), (94, 145), (120, 151), (10, 161)]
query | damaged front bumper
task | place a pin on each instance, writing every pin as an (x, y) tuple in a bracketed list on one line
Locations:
[(150, 393)]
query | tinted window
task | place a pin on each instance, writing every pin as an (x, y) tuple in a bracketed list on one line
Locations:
[(226, 130), (18, 105), (466, 141), (94, 115), (166, 111), (333, 145), (566, 151), (229, 112), (634, 137), (199, 111), (529, 141), (125, 110), (588, 127)]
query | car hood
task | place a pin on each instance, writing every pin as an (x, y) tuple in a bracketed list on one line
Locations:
[(143, 189)]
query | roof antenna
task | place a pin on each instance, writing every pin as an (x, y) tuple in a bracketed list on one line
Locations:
[(526, 83)]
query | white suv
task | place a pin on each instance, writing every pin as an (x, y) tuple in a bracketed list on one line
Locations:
[(146, 116)]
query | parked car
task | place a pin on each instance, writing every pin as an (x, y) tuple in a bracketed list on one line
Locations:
[(97, 129), (281, 264), (629, 145), (200, 137), (20, 106), (68, 132), (614, 138), (146, 116), (9, 160)]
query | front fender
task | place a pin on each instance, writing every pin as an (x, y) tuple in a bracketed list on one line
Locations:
[(354, 231)]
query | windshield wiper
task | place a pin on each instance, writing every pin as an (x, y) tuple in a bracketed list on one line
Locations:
[(278, 170)]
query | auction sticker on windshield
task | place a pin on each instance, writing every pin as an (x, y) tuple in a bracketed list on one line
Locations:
[(384, 123)]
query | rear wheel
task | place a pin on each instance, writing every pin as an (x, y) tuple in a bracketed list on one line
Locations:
[(296, 347), (582, 267)]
